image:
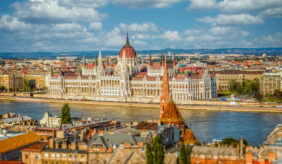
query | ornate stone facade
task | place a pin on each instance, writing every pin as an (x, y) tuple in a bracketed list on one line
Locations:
[(124, 82)]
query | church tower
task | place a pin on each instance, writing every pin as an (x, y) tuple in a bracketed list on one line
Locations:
[(165, 97)]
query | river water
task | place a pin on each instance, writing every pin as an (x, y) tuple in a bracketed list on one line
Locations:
[(207, 125)]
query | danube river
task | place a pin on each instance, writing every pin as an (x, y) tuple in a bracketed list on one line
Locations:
[(207, 125)]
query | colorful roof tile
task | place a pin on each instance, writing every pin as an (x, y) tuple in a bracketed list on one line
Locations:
[(189, 137), (171, 115)]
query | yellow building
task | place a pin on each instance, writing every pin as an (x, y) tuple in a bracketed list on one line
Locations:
[(37, 80), (224, 77), (12, 82), (270, 82)]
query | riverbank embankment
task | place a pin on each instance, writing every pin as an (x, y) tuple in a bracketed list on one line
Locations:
[(216, 107)]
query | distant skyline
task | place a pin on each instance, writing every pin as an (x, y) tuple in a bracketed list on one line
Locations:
[(87, 25)]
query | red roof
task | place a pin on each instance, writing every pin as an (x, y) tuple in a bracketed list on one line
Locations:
[(129, 52), (36, 147), (181, 77)]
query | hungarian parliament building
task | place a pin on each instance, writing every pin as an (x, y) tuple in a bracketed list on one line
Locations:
[(125, 82)]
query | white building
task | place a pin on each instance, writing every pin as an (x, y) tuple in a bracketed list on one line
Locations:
[(50, 121)]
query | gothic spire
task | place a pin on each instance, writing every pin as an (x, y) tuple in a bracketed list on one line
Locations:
[(127, 39), (165, 96)]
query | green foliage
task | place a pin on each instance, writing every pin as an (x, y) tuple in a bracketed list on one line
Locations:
[(155, 154), (277, 94), (258, 96), (65, 114), (158, 151), (26, 86), (2, 88), (231, 141), (184, 155), (246, 87), (149, 154)]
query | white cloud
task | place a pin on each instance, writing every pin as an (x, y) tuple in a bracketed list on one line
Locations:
[(272, 12), (68, 27), (235, 19), (274, 40), (171, 36), (145, 3), (95, 26), (239, 6), (140, 28), (84, 3), (139, 32), (215, 37), (49, 11), (139, 43), (9, 23), (202, 4), (145, 27)]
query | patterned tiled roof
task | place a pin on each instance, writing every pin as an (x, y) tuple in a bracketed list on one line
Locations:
[(189, 137), (171, 115)]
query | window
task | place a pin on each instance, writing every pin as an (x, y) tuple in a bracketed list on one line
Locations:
[(46, 154), (52, 155), (36, 156), (64, 156), (58, 155), (26, 156)]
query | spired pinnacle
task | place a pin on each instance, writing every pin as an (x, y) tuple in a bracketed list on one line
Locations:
[(127, 39)]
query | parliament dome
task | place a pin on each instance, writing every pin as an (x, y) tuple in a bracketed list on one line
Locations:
[(127, 50)]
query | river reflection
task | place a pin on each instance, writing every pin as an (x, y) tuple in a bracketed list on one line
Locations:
[(207, 125)]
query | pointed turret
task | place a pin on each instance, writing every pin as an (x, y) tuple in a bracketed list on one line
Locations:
[(174, 61), (150, 60), (127, 39), (165, 96), (171, 115)]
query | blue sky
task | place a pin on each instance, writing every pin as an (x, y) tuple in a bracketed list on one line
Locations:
[(87, 25)]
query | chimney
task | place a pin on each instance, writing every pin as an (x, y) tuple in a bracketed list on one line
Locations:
[(73, 146), (100, 132), (249, 158), (271, 157), (241, 148), (51, 143), (82, 135), (82, 146), (64, 145), (261, 161)]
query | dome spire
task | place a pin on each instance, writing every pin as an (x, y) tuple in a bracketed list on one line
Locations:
[(127, 39)]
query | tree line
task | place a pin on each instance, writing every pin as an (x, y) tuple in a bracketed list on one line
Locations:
[(250, 87), (155, 153)]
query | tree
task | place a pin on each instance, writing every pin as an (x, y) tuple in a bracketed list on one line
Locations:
[(155, 154), (149, 154), (184, 155), (277, 94), (258, 96), (231, 141), (2, 88), (65, 114), (232, 85), (26, 86), (158, 151)]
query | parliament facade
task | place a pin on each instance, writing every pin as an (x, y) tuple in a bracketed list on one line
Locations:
[(126, 82)]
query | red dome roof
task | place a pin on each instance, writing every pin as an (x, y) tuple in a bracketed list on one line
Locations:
[(128, 50)]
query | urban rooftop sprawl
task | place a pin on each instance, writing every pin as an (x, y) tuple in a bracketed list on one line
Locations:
[(166, 79)]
